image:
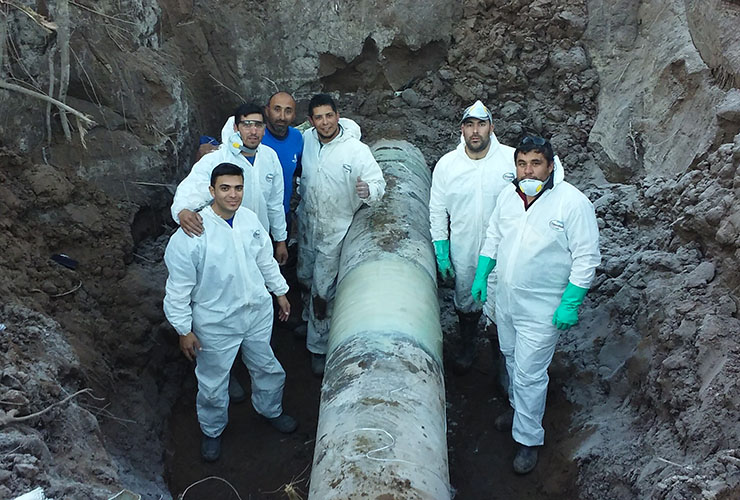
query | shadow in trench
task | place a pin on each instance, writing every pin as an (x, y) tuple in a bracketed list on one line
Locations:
[(259, 462), (481, 457), (256, 459)]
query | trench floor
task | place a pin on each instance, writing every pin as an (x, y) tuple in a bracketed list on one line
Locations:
[(261, 463)]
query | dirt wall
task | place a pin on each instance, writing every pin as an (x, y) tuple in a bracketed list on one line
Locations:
[(640, 100)]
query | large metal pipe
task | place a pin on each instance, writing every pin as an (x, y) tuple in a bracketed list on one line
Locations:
[(382, 428)]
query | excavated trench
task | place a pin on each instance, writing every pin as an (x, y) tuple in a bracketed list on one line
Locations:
[(640, 99)]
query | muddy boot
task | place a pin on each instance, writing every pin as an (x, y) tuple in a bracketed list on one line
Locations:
[(318, 363), (505, 421), (525, 459), (210, 448), (500, 375), (468, 328), (283, 423)]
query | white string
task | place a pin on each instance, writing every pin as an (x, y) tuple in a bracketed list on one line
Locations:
[(444, 482), (182, 495)]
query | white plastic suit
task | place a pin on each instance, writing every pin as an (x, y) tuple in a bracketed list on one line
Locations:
[(464, 192), (218, 288), (537, 252), (328, 203), (263, 184)]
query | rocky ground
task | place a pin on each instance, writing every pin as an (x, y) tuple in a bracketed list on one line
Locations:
[(640, 99)]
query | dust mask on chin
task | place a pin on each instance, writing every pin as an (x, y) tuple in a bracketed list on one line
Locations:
[(236, 145), (531, 187)]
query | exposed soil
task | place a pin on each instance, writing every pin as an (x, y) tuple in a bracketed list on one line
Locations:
[(640, 99)]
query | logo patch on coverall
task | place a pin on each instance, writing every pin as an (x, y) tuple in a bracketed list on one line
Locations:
[(269, 177), (347, 167), (557, 225), (508, 176)]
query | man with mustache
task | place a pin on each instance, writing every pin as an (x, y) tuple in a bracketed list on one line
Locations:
[(285, 140), (465, 185), (543, 241)]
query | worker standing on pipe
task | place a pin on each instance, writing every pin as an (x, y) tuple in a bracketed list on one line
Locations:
[(543, 242), (339, 175), (217, 302), (465, 185)]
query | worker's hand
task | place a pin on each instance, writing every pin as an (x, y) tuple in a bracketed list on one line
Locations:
[(479, 289), (480, 282), (284, 306), (204, 149), (566, 315), (191, 222), (281, 252), (442, 252), (190, 345), (362, 188)]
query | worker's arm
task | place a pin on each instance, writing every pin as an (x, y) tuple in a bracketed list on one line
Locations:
[(370, 175), (582, 233), (274, 197), (192, 193), (181, 258), (268, 266)]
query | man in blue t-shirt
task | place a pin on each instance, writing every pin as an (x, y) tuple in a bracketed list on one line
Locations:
[(284, 139)]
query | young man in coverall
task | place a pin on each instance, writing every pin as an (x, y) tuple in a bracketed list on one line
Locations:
[(543, 242), (339, 175), (241, 144), (465, 185), (218, 302)]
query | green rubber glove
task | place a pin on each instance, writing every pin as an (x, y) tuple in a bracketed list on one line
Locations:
[(566, 315), (442, 252), (480, 282)]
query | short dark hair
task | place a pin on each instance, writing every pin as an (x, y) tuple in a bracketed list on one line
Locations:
[(225, 169), (536, 144), (248, 108), (321, 100)]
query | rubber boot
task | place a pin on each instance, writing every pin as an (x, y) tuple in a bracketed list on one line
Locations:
[(525, 459), (468, 328), (500, 375), (210, 448)]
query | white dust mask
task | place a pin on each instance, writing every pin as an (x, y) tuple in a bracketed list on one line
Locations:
[(531, 187)]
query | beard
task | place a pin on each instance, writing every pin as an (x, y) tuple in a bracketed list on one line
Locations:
[(333, 134), (484, 142), (280, 130)]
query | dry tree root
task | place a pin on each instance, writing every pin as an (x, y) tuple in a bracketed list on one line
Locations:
[(290, 489), (9, 417)]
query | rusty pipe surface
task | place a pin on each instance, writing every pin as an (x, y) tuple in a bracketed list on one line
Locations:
[(382, 427)]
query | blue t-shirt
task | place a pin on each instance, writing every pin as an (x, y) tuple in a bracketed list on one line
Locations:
[(289, 150)]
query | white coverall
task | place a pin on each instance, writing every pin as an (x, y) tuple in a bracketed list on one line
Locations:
[(216, 288), (328, 203), (464, 191), (537, 252), (263, 184)]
